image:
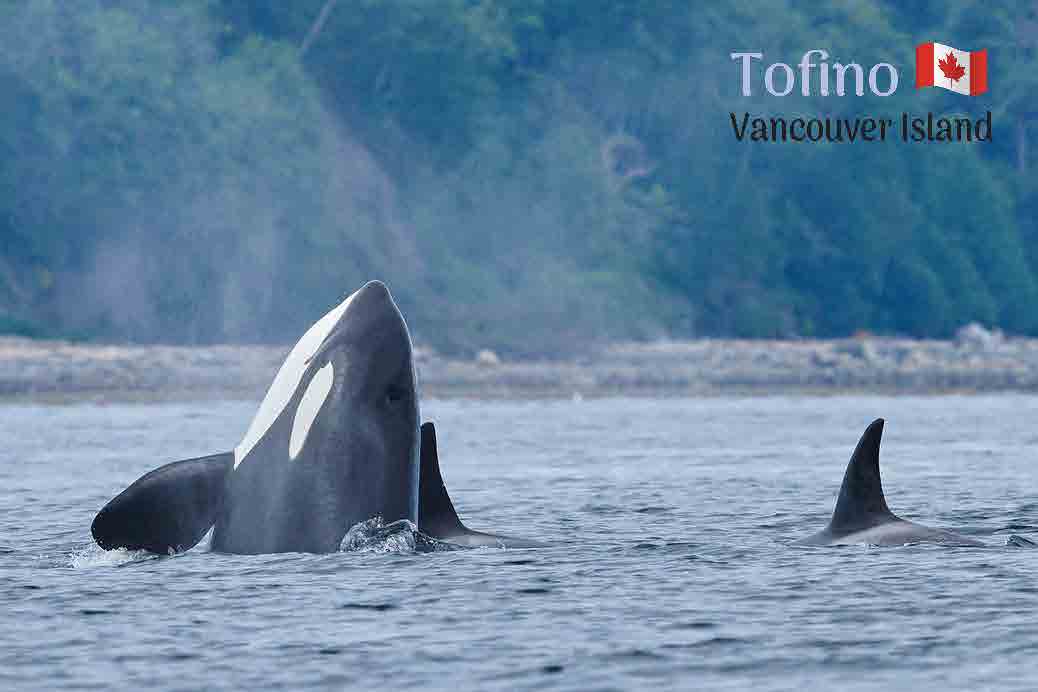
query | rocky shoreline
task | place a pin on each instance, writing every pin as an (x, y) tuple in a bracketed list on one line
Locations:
[(976, 361)]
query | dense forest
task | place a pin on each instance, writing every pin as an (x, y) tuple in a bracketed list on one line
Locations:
[(527, 175)]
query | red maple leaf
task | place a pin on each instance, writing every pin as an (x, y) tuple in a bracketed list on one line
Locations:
[(951, 68)]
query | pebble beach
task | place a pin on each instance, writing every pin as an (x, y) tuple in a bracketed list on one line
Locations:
[(976, 360)]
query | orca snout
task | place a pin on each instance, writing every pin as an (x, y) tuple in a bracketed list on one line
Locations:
[(372, 294), (373, 310), (369, 315)]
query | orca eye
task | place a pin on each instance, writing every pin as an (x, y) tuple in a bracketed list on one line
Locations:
[(395, 394)]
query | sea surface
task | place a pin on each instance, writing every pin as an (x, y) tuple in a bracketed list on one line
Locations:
[(668, 563)]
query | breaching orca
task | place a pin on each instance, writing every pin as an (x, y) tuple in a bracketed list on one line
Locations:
[(335, 442), (862, 515)]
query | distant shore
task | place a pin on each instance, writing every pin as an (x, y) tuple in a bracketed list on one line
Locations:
[(976, 361)]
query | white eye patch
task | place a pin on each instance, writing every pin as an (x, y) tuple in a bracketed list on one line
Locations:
[(309, 406)]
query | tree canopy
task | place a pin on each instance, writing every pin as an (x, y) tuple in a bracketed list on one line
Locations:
[(526, 175)]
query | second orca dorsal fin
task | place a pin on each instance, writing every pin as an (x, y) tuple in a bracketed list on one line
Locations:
[(861, 503), (170, 508), (436, 514)]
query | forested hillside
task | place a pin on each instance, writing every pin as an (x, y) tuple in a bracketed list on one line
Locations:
[(525, 174)]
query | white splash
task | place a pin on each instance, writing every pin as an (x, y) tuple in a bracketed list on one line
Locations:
[(400, 536), (287, 379), (375, 536), (309, 406), (94, 556)]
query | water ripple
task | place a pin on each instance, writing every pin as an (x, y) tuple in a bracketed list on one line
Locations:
[(668, 558)]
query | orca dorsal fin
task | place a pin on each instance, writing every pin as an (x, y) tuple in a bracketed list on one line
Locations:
[(170, 508), (861, 503), (436, 514)]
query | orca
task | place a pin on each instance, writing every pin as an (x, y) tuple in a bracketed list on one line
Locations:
[(862, 516), (335, 442)]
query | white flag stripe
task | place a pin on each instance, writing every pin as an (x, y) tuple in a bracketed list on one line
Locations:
[(962, 85)]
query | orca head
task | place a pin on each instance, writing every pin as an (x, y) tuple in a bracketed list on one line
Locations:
[(345, 399)]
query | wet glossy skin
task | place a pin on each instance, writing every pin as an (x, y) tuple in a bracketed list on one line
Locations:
[(897, 532), (359, 455)]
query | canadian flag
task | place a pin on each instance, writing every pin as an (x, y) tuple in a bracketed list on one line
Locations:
[(950, 68)]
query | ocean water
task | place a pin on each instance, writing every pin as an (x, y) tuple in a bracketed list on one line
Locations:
[(668, 562)]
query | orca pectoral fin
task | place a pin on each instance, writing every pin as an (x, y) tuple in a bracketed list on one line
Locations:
[(170, 508), (436, 514)]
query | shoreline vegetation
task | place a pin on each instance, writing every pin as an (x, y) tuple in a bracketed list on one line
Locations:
[(976, 360), (523, 175)]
